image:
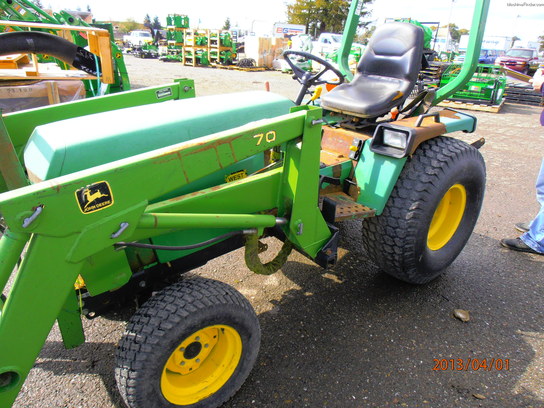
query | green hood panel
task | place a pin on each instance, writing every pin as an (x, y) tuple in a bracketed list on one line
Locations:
[(71, 145)]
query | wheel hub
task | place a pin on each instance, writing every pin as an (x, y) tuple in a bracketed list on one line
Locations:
[(201, 364), (447, 217), (192, 350)]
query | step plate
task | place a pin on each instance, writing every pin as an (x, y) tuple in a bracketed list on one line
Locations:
[(346, 208)]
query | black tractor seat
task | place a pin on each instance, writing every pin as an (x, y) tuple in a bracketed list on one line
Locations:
[(386, 74)]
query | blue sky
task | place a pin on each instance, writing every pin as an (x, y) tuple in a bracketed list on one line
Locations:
[(506, 17)]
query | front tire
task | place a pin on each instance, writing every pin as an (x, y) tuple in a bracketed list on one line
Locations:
[(192, 345), (431, 212)]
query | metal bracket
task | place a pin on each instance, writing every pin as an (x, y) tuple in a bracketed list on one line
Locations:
[(356, 148), (328, 255), (32, 218)]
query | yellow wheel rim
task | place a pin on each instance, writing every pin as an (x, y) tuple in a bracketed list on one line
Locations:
[(447, 217), (201, 364)]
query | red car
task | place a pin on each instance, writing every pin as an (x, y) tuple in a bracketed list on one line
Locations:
[(523, 60)]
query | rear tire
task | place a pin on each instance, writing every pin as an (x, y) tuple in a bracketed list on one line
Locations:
[(431, 212), (191, 345)]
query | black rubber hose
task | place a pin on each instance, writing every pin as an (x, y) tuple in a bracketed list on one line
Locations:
[(36, 42)]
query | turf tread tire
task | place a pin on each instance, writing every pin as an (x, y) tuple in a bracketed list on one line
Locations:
[(150, 336), (396, 240)]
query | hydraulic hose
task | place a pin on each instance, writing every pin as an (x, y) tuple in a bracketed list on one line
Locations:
[(36, 42)]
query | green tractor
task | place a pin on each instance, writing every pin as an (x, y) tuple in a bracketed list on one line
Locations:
[(114, 197)]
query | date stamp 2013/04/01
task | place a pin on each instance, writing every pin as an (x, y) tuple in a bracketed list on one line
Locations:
[(474, 364)]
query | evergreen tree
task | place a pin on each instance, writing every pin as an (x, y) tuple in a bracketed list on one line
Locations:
[(226, 26), (148, 24), (147, 21)]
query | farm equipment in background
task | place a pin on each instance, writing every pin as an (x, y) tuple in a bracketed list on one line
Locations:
[(176, 24), (146, 51), (123, 193), (27, 85), (18, 11), (141, 44), (196, 47), (486, 87)]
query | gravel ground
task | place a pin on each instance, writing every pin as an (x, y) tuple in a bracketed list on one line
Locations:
[(208, 81), (351, 336)]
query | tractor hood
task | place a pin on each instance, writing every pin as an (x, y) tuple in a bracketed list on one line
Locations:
[(67, 146)]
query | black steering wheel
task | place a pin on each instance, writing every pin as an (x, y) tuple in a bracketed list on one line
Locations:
[(307, 79)]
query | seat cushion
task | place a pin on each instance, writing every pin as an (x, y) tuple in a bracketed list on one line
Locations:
[(367, 96), (386, 74)]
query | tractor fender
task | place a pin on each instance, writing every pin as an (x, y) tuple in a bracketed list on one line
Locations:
[(376, 175), (380, 165)]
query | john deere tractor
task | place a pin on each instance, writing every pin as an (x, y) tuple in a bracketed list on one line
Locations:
[(115, 197)]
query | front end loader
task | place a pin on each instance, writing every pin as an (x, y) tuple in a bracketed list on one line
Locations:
[(114, 197)]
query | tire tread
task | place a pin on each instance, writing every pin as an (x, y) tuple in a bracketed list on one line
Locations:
[(158, 315), (387, 238)]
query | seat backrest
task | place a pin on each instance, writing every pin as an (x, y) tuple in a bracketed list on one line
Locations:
[(395, 50)]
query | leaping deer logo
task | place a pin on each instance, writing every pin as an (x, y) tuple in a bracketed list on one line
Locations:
[(92, 197)]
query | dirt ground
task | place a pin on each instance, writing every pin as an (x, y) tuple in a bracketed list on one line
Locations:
[(351, 336)]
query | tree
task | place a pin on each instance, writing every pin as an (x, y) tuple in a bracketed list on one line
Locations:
[(156, 23), (322, 15), (147, 21), (456, 32), (149, 25), (128, 26), (514, 39), (541, 42), (226, 26), (89, 8), (365, 37)]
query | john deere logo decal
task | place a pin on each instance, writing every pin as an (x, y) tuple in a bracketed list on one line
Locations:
[(94, 197)]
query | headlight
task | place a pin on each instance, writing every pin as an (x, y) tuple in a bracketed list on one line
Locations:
[(394, 139)]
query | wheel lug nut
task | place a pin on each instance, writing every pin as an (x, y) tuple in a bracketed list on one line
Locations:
[(206, 345), (198, 360), (183, 363)]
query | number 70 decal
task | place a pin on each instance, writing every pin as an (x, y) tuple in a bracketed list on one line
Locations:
[(269, 137)]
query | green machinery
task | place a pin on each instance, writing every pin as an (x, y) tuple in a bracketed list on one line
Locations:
[(486, 86), (196, 47), (120, 194), (25, 10), (176, 25)]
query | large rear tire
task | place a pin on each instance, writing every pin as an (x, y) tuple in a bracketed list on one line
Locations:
[(431, 212), (191, 345)]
